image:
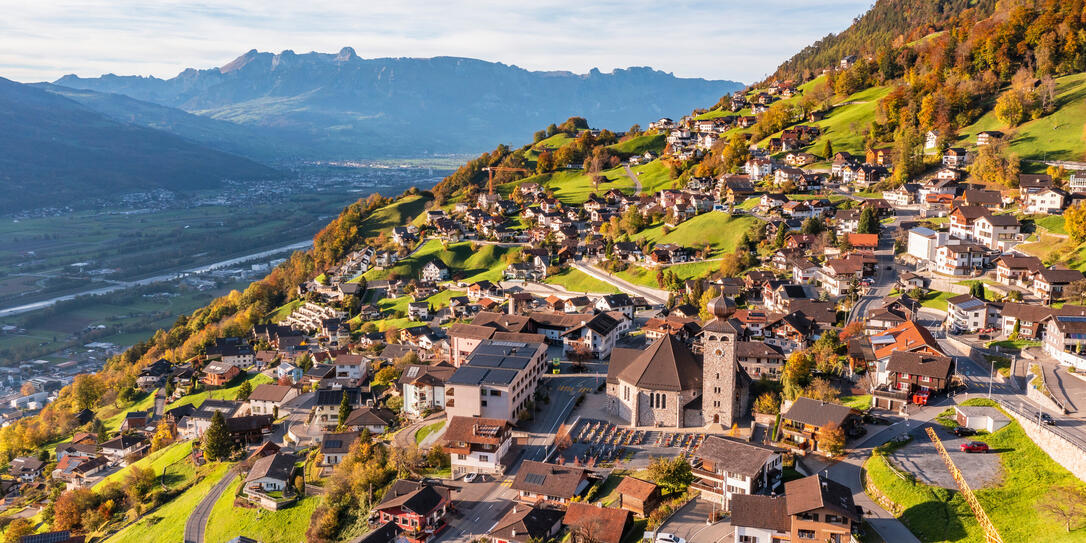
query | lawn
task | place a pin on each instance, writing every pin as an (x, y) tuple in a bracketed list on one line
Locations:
[(176, 453), (1047, 245), (167, 523), (749, 204), (284, 526), (485, 261), (1052, 223), (554, 142), (718, 229), (935, 514), (937, 299), (639, 276), (861, 402), (427, 430), (1056, 136), (639, 144), (575, 280), (1014, 345), (227, 393)]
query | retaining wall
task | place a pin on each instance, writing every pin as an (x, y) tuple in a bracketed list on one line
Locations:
[(1063, 451)]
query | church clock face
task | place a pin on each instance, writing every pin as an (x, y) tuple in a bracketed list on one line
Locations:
[(718, 352)]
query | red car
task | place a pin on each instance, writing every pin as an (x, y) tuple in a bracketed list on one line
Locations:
[(975, 446)]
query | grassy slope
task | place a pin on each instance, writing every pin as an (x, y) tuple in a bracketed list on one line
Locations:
[(654, 176), (397, 213), (1056, 136), (167, 523), (837, 126), (721, 230), (577, 281), (575, 186), (284, 526), (639, 144), (1028, 474), (484, 263), (157, 461)]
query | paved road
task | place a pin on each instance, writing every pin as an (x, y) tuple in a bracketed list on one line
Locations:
[(653, 295), (197, 523), (633, 177), (406, 436)]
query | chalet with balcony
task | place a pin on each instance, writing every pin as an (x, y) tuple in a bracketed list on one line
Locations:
[(727, 466)]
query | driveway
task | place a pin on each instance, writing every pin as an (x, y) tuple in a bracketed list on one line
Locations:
[(689, 523), (197, 523), (633, 177)]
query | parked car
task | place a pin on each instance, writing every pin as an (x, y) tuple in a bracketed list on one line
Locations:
[(1047, 419), (875, 419), (975, 447), (669, 538), (470, 478), (963, 431)]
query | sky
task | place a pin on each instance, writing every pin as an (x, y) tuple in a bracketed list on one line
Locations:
[(41, 40)]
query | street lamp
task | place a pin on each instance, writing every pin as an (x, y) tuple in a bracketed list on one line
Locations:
[(991, 377)]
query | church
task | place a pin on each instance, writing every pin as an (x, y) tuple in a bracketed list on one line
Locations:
[(673, 385)]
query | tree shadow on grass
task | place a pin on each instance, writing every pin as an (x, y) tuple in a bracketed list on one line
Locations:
[(939, 518)]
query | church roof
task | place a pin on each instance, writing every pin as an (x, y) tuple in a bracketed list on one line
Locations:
[(668, 364)]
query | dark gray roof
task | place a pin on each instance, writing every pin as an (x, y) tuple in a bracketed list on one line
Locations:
[(817, 413), (279, 466), (737, 456)]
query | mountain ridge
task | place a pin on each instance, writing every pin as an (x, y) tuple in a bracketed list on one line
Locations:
[(58, 152), (398, 106)]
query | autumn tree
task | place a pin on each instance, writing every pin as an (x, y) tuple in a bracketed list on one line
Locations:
[(17, 529), (69, 508), (822, 390), (163, 436), (995, 164), (796, 374), (86, 390), (28, 388), (672, 474), (768, 404), (831, 438), (1074, 219)]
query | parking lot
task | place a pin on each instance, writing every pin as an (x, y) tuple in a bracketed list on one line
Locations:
[(921, 459), (595, 442)]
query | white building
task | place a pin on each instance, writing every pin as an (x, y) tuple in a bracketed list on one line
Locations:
[(966, 314), (496, 381), (923, 243), (423, 388)]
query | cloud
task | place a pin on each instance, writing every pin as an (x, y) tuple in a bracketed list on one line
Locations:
[(720, 40)]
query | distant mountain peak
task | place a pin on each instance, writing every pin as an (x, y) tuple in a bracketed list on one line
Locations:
[(238, 63), (345, 54)]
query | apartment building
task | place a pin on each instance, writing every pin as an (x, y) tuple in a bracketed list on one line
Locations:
[(496, 381)]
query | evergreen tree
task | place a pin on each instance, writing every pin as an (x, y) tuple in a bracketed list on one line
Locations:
[(100, 430), (827, 150), (977, 290), (782, 236), (245, 390), (217, 443), (869, 222), (344, 410)]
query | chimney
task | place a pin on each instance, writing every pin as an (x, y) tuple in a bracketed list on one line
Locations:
[(514, 508), (514, 532)]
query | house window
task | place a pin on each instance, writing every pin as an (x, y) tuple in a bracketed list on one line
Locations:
[(484, 458), (806, 534), (748, 539), (483, 403)]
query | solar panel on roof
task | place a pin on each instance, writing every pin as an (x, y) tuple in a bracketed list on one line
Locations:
[(413, 371), (535, 479), (1071, 318)]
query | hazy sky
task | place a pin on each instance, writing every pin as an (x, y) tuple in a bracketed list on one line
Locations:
[(717, 39)]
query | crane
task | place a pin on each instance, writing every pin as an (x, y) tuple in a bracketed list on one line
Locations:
[(991, 535), (490, 175)]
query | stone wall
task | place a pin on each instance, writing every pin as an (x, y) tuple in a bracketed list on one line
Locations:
[(1063, 451)]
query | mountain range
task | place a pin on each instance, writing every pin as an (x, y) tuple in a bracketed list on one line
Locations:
[(344, 106)]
